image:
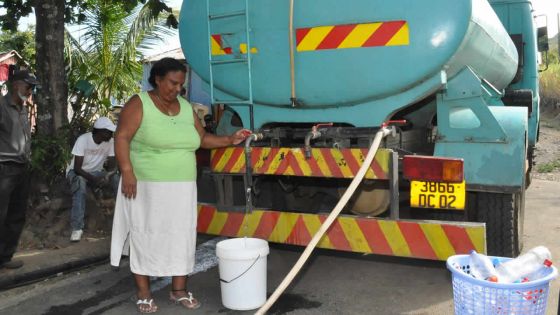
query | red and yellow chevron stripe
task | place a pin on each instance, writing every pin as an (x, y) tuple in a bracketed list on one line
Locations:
[(419, 239), (333, 163), (392, 33)]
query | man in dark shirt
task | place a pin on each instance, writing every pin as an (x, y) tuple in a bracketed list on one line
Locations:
[(15, 151)]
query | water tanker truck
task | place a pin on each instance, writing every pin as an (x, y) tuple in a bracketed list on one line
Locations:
[(456, 81)]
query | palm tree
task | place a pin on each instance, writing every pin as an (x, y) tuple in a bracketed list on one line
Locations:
[(104, 63)]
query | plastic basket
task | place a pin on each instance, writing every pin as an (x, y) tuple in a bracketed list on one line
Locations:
[(474, 296)]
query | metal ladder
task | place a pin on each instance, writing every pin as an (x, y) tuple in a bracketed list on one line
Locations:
[(248, 179), (247, 60)]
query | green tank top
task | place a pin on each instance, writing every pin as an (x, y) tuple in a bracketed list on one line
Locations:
[(163, 148)]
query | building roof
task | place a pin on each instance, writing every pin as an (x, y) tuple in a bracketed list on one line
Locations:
[(10, 54), (176, 53)]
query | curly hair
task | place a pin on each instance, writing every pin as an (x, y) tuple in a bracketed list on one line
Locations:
[(163, 66)]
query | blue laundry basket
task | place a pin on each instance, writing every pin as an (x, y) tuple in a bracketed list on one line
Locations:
[(473, 296)]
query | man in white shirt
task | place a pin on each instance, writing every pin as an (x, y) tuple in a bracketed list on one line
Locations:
[(90, 151)]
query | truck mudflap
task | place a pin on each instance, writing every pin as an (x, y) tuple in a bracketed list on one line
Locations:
[(426, 239)]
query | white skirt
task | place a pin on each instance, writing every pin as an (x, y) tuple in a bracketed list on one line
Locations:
[(157, 229)]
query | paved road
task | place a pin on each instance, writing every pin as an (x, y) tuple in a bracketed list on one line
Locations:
[(332, 282)]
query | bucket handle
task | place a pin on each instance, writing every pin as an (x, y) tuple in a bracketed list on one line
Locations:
[(244, 272)]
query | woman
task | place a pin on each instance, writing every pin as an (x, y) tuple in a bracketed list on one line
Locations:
[(156, 214)]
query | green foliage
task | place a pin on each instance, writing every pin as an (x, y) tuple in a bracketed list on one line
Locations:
[(74, 9), (550, 79), (22, 42), (15, 9), (553, 57), (106, 56), (550, 85), (549, 167), (50, 154)]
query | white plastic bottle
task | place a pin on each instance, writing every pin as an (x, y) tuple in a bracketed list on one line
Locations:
[(482, 267), (521, 267), (542, 272)]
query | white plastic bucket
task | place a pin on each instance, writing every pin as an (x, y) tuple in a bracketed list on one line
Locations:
[(242, 264)]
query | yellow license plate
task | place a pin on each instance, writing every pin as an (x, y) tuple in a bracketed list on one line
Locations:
[(437, 195)]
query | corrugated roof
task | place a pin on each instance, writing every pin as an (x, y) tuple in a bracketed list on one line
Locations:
[(9, 54)]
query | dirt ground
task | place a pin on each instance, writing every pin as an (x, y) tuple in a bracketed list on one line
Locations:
[(48, 220)]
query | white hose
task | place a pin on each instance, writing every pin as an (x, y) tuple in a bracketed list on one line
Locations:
[(330, 219)]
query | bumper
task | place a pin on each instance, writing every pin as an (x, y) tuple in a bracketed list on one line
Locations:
[(435, 240)]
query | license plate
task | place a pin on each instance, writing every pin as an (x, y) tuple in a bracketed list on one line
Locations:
[(437, 195)]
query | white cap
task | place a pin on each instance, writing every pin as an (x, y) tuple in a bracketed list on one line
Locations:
[(104, 123)]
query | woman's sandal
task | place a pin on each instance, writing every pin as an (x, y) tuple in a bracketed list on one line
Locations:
[(188, 302), (151, 306)]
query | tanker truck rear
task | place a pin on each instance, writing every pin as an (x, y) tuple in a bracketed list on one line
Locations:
[(457, 81)]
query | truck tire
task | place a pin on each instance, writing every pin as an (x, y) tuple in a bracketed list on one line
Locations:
[(448, 215), (503, 215), (530, 164), (439, 215)]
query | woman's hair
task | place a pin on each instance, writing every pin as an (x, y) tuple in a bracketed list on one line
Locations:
[(164, 66)]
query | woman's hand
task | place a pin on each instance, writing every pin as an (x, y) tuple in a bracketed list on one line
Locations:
[(240, 135), (128, 185)]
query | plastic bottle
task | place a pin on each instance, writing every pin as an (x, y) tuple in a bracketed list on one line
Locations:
[(521, 267), (482, 267), (542, 272)]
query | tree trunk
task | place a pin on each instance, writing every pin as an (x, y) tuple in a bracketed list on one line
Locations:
[(49, 38)]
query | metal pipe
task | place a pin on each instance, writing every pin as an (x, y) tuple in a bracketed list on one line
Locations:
[(249, 171), (313, 134), (292, 56), (394, 183), (251, 117)]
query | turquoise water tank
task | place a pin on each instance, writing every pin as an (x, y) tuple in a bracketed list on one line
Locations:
[(346, 52)]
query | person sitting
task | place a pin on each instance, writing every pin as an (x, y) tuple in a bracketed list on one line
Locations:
[(90, 152)]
